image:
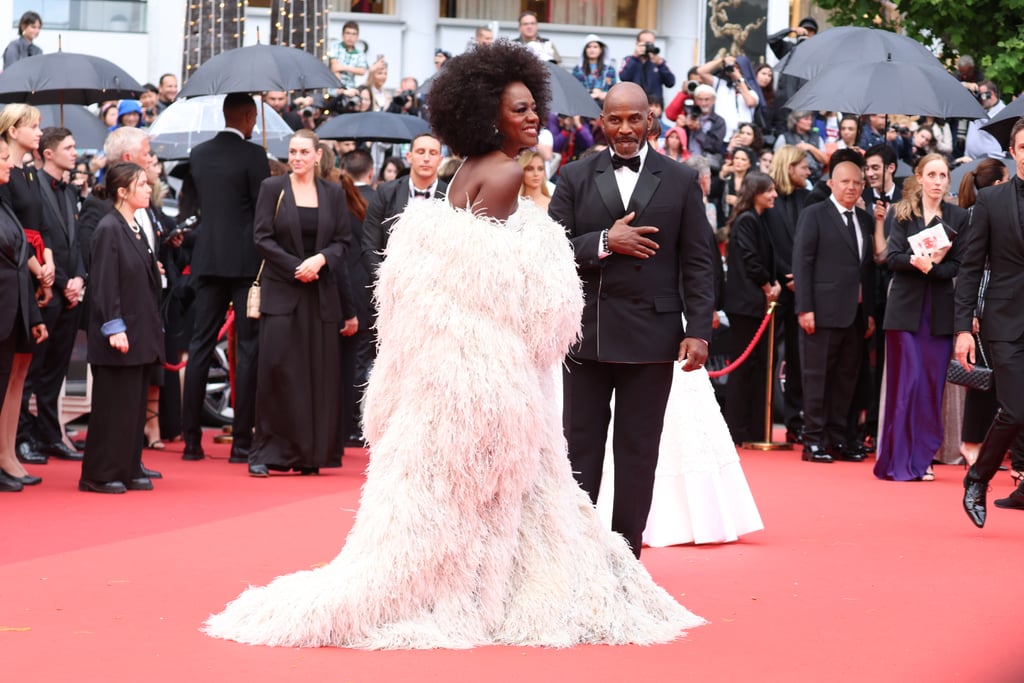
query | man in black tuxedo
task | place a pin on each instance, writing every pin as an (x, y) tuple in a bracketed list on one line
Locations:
[(225, 176), (638, 228), (424, 158), (833, 272), (995, 238), (50, 360)]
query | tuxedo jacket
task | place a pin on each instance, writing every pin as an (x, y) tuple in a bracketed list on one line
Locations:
[(995, 234), (125, 287), (751, 265), (828, 272), (905, 302), (62, 230), (390, 200), (279, 240), (632, 306), (225, 175)]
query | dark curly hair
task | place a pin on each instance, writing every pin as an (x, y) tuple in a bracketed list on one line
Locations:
[(466, 94)]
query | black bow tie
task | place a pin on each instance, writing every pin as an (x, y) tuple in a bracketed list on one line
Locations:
[(56, 185), (421, 193), (633, 163)]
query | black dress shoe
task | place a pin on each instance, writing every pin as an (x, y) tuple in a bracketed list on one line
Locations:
[(29, 455), (306, 471), (59, 449), (1015, 501), (816, 454), (794, 436), (101, 486), (9, 484), (193, 452), (27, 480), (147, 473), (239, 455), (258, 471), (852, 453), (139, 484), (974, 500)]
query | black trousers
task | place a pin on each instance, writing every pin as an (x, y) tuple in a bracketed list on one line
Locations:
[(113, 444), (213, 294), (745, 390), (831, 365), (46, 374), (641, 393), (1007, 359)]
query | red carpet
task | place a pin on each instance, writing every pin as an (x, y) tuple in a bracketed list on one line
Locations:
[(853, 579)]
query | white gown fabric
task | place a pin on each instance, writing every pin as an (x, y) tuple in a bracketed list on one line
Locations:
[(471, 529), (700, 492)]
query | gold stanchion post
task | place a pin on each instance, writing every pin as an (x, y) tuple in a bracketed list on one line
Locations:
[(768, 444)]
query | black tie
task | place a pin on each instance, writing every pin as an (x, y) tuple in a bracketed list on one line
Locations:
[(633, 163), (421, 193), (849, 226)]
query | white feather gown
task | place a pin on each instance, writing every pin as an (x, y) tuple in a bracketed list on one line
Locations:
[(471, 529)]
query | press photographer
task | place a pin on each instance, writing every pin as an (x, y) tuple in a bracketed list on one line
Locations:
[(736, 92), (647, 68), (406, 100)]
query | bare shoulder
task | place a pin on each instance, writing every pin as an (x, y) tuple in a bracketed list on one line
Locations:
[(489, 183)]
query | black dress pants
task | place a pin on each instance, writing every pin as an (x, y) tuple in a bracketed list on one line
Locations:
[(113, 444)]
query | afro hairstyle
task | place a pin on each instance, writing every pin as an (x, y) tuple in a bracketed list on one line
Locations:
[(466, 94)]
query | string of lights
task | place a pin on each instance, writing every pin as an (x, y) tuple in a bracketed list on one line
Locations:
[(301, 24), (211, 27)]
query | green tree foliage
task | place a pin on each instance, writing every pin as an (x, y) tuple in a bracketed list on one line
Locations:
[(991, 31)]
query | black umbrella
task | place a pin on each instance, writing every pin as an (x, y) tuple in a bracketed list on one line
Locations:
[(374, 126), (66, 78), (958, 173), (259, 68), (888, 87), (569, 97), (852, 45), (87, 129), (1002, 123)]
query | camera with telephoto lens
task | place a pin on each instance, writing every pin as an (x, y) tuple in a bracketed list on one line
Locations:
[(308, 112), (651, 49), (343, 104), (691, 86), (692, 110), (405, 97)]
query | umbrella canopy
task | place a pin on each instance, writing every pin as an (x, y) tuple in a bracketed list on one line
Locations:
[(852, 45), (887, 87), (259, 68), (1002, 123), (186, 123), (373, 125), (569, 97), (66, 78), (87, 129)]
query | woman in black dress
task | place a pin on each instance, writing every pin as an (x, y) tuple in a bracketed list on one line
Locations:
[(126, 337), (750, 284), (302, 231)]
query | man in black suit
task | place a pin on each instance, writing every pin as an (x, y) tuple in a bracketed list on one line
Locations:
[(833, 272), (225, 176), (638, 228), (50, 360), (424, 158), (995, 238)]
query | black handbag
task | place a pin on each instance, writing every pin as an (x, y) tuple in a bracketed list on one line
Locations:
[(979, 379)]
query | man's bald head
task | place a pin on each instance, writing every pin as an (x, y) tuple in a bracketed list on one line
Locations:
[(627, 93)]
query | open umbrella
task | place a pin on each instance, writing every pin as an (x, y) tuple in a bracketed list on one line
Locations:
[(887, 87), (375, 126), (569, 97), (1002, 123), (87, 129), (852, 45), (66, 78), (259, 68), (186, 123), (958, 173)]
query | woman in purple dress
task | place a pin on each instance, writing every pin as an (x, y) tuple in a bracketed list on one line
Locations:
[(918, 325)]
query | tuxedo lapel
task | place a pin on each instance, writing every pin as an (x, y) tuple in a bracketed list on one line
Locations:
[(50, 197), (607, 187), (647, 184)]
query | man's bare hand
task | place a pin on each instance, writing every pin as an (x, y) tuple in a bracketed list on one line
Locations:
[(964, 350), (806, 321), (628, 240), (693, 353)]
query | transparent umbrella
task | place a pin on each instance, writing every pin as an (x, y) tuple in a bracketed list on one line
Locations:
[(188, 122)]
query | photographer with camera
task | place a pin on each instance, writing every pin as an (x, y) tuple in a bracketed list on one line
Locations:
[(647, 68), (694, 109), (406, 100), (736, 92)]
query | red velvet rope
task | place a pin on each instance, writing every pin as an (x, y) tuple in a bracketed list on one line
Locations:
[(750, 347)]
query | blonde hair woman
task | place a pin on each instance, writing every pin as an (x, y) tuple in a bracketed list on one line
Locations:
[(535, 179)]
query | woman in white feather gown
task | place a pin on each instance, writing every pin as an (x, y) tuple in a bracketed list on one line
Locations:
[(471, 529)]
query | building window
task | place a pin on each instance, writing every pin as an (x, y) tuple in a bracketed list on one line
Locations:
[(614, 13), (359, 6), (121, 16)]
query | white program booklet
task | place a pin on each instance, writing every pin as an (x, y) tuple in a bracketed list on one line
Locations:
[(929, 240)]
